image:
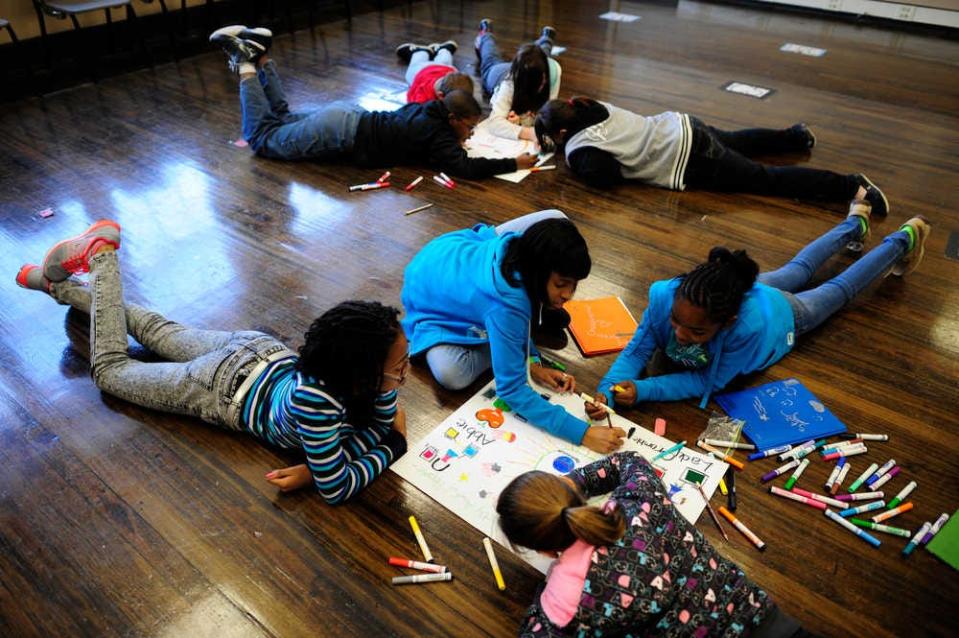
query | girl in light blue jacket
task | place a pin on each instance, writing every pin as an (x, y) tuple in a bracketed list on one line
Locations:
[(471, 297), (724, 319)]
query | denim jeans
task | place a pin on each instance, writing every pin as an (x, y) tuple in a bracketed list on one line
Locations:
[(454, 366), (720, 161), (203, 368), (273, 131), (812, 307), (421, 59), (493, 68)]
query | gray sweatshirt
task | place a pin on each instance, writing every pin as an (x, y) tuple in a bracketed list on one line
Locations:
[(652, 149)]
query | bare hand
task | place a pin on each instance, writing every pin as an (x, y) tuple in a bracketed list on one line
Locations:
[(593, 410), (602, 439), (399, 421), (527, 133), (290, 478), (555, 379), (526, 160), (628, 395)]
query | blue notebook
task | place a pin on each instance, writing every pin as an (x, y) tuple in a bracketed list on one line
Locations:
[(779, 413)]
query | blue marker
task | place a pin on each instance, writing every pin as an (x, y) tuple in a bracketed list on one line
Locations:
[(770, 452), (911, 545), (669, 451), (869, 538), (868, 507)]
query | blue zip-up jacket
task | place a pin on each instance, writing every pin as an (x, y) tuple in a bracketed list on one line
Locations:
[(454, 292), (762, 335)]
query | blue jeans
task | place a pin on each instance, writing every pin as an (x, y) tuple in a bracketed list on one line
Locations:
[(493, 68), (456, 366), (273, 131), (812, 307), (421, 59)]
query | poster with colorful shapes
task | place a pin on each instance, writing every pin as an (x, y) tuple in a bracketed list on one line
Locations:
[(466, 461)]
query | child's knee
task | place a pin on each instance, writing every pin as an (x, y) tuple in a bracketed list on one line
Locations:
[(450, 371)]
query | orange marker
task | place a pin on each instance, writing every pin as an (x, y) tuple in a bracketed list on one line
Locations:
[(729, 516), (719, 455), (905, 507)]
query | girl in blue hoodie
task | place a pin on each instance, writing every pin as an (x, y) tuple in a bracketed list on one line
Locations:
[(720, 320), (471, 298)]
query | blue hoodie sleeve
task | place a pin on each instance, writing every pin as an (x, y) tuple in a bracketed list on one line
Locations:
[(633, 359), (508, 332)]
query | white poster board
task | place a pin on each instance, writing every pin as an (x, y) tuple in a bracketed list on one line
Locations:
[(470, 457), (484, 144)]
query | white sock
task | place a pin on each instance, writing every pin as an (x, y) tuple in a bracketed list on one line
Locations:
[(246, 67)]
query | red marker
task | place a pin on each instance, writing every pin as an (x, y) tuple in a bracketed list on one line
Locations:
[(384, 177), (447, 179), (415, 564), (439, 180), (413, 184)]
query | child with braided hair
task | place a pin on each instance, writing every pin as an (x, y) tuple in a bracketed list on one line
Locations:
[(633, 567), (336, 401), (724, 318)]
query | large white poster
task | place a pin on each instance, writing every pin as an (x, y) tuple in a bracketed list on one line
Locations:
[(469, 458)]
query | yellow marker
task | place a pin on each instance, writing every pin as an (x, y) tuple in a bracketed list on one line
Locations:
[(588, 399), (722, 487), (618, 388), (419, 539), (492, 563)]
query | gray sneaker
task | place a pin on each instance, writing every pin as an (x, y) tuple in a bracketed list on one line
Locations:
[(30, 276), (72, 256)]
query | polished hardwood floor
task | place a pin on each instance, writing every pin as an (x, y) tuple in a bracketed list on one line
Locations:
[(115, 520)]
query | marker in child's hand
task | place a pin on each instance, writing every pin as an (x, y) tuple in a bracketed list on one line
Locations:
[(618, 388), (588, 399), (538, 169)]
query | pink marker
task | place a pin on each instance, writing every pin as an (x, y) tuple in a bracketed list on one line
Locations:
[(819, 497), (861, 496), (778, 491), (852, 451)]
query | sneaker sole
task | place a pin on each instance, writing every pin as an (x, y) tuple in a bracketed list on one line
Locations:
[(878, 190), (100, 224), (22, 277), (233, 30)]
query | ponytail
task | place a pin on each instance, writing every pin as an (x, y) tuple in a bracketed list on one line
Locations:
[(719, 285), (543, 512), (572, 115)]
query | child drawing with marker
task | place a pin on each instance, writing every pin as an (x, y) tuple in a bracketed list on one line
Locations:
[(473, 298), (725, 318), (336, 400), (634, 566), (605, 145)]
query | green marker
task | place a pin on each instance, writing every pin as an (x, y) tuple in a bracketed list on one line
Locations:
[(862, 477), (906, 491), (898, 531), (556, 365), (796, 474)]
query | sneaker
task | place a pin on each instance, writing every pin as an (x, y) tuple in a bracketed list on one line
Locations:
[(805, 134), (449, 45), (260, 36), (880, 205), (485, 27), (31, 277), (239, 52), (918, 229), (860, 209), (548, 35), (71, 256), (406, 50)]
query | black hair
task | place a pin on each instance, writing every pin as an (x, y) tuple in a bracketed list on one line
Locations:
[(719, 285), (455, 81), (573, 115), (548, 246), (346, 348), (528, 71), (462, 104)]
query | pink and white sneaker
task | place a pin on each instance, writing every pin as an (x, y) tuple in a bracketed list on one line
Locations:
[(72, 256), (30, 276)]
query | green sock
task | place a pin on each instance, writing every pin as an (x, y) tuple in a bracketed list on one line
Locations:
[(911, 234), (863, 226)]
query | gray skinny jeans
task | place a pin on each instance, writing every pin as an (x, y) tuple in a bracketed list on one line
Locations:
[(203, 368)]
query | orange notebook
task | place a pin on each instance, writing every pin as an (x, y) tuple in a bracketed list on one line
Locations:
[(600, 326)]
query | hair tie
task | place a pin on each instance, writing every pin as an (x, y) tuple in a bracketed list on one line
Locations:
[(570, 102)]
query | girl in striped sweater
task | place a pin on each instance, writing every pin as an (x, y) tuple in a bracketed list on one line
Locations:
[(336, 401), (605, 145)]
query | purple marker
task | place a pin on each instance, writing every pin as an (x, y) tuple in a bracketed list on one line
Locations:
[(770, 452), (885, 478), (779, 471), (935, 528), (888, 465)]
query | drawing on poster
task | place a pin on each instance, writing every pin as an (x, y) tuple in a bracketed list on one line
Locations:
[(466, 461)]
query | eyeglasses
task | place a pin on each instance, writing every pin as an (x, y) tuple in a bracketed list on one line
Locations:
[(404, 371)]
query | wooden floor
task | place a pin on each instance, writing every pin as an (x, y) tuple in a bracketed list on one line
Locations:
[(115, 520)]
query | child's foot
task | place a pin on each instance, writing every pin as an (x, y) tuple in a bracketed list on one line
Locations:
[(406, 50), (485, 27), (449, 45), (804, 134), (860, 209), (242, 54), (72, 256), (871, 193), (31, 277), (918, 229), (548, 35)]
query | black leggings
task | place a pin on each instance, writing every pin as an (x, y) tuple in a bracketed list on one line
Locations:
[(720, 161)]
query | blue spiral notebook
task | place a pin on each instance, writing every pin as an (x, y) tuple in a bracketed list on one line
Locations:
[(780, 412)]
